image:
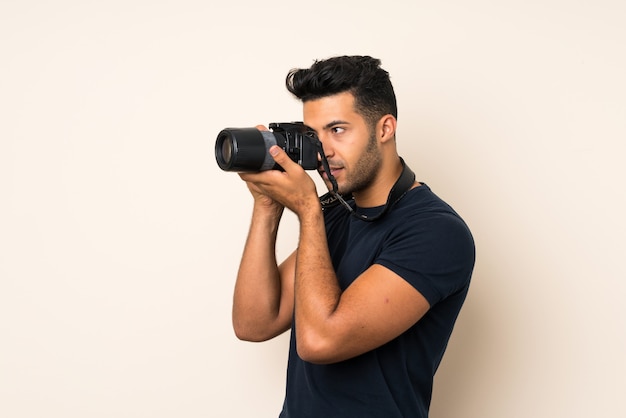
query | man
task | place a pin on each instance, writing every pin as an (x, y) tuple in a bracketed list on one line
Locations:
[(370, 304)]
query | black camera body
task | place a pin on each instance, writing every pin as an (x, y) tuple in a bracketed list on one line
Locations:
[(247, 149)]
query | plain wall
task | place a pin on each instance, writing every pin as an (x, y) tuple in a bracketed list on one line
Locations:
[(120, 237)]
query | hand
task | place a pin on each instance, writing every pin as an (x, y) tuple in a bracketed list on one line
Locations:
[(292, 188), (261, 199)]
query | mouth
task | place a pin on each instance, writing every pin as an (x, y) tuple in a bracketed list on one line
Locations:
[(334, 171)]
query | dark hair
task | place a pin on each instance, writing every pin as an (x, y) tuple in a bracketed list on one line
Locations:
[(360, 75)]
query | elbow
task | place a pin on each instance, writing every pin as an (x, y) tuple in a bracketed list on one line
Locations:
[(317, 350), (256, 332), (244, 335), (248, 333)]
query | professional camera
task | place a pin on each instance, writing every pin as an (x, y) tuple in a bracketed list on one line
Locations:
[(247, 149)]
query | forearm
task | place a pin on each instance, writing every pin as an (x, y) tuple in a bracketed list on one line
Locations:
[(317, 292), (257, 296)]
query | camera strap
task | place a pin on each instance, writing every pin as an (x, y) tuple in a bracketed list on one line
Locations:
[(397, 192)]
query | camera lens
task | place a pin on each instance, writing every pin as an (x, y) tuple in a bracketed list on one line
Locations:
[(224, 151), (244, 149), (227, 150)]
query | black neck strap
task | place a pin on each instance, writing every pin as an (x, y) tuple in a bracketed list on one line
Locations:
[(400, 188)]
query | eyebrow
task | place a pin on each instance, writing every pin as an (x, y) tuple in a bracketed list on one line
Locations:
[(335, 123)]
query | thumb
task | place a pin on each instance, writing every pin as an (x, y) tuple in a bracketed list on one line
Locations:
[(280, 156)]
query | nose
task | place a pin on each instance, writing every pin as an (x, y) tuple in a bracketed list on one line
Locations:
[(326, 148)]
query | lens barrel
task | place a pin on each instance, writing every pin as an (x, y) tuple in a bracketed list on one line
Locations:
[(244, 150)]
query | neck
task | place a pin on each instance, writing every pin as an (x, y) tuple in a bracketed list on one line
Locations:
[(377, 193)]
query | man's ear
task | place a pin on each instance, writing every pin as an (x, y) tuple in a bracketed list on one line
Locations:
[(386, 128)]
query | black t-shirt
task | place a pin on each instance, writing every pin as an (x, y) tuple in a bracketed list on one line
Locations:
[(423, 240)]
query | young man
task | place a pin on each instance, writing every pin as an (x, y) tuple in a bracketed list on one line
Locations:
[(371, 304)]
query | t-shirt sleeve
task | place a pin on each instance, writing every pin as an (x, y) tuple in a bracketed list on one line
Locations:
[(435, 254)]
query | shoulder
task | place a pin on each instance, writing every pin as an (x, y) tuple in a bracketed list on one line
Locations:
[(426, 219), (428, 244)]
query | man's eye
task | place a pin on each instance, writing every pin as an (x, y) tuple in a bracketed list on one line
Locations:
[(337, 130)]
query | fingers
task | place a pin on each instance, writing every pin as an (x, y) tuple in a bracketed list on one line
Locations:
[(281, 158)]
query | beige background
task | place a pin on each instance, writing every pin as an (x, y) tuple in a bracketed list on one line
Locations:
[(120, 237)]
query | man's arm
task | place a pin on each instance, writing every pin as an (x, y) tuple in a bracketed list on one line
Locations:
[(332, 326), (263, 297)]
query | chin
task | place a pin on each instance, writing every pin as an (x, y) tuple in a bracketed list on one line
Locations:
[(329, 186)]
